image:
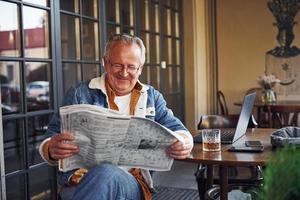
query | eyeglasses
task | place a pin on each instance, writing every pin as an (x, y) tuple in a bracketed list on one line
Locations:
[(130, 68)]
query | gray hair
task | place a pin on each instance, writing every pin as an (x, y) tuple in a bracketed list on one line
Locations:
[(125, 39)]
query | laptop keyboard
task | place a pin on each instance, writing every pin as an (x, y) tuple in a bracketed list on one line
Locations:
[(226, 135)]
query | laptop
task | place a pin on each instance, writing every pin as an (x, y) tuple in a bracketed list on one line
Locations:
[(230, 136)]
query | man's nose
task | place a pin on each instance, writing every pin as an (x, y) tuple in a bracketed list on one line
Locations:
[(124, 71)]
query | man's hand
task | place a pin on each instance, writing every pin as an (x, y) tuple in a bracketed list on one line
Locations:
[(179, 150), (62, 146)]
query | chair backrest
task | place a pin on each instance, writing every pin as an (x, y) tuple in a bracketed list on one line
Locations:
[(284, 116), (222, 103), (222, 121)]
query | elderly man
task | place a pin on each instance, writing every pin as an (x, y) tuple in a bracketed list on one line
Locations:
[(118, 89)]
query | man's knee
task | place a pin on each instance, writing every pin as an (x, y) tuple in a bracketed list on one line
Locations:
[(105, 171)]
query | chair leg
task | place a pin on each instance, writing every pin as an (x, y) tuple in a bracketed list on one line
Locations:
[(201, 180)]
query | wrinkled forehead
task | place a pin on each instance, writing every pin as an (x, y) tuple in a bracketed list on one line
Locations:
[(125, 50)]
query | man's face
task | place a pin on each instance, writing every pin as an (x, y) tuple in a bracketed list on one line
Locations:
[(123, 68)]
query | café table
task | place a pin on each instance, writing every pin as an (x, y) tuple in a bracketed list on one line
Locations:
[(266, 107), (223, 159)]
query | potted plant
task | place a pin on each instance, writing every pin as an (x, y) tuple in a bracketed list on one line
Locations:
[(282, 176)]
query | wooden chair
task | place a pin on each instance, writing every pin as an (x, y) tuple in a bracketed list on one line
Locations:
[(226, 121), (222, 103), (284, 116)]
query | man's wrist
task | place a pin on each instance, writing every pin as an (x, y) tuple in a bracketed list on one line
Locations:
[(47, 155)]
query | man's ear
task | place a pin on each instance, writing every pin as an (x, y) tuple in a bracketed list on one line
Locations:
[(105, 64)]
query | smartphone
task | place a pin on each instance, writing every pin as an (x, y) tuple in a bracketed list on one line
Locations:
[(246, 149), (253, 143)]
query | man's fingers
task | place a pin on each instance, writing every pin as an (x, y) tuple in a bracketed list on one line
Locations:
[(61, 146), (63, 136), (179, 150)]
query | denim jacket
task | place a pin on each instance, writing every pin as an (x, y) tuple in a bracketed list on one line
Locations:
[(151, 104)]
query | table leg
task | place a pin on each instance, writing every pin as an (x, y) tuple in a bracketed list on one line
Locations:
[(210, 176), (223, 174), (258, 116), (271, 125)]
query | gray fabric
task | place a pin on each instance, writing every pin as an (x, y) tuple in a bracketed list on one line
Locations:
[(287, 135)]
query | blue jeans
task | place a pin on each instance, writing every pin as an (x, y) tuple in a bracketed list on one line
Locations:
[(102, 182)]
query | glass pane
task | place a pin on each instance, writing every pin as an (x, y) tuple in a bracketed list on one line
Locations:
[(42, 183), (38, 84), (146, 40), (127, 12), (70, 41), (177, 46), (36, 33), (90, 71), (157, 49), (175, 4), (155, 77), (145, 76), (176, 24), (128, 30), (10, 87), (36, 30), (110, 8), (15, 187), (38, 2), (167, 2), (90, 40), (13, 145), (177, 79), (166, 22), (154, 49), (70, 5), (90, 8), (145, 25), (112, 30), (37, 127), (173, 102), (167, 53), (71, 75), (156, 18), (167, 83), (9, 30)]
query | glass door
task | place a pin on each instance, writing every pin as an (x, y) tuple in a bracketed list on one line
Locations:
[(27, 96)]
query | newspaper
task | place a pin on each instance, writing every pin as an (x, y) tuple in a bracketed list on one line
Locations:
[(104, 135)]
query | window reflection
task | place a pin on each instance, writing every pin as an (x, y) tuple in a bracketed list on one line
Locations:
[(15, 187), (127, 12), (111, 30), (41, 183), (90, 71), (38, 2), (13, 145), (36, 30), (9, 30), (71, 75), (38, 86), (70, 5), (90, 40), (90, 8), (37, 127), (110, 7), (10, 87), (70, 42)]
